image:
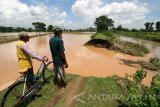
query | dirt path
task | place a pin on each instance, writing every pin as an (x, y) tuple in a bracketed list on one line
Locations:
[(66, 95)]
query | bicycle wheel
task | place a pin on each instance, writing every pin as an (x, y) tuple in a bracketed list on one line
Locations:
[(13, 94), (47, 71)]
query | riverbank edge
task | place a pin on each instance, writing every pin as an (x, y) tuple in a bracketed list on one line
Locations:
[(11, 39), (109, 41), (150, 36)]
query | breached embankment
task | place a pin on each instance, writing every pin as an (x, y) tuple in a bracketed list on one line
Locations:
[(110, 42)]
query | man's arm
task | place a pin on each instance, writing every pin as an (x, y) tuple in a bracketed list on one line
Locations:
[(31, 53), (61, 47), (64, 58)]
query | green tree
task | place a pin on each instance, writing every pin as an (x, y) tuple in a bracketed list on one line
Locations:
[(158, 26), (39, 26), (35, 24), (119, 28), (151, 27), (147, 25), (50, 28), (29, 29), (103, 23)]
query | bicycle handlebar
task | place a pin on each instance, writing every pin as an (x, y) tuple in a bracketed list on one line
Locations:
[(44, 60)]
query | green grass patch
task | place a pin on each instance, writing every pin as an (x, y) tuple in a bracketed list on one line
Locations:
[(48, 91), (104, 36), (155, 61), (100, 92), (142, 35), (131, 48)]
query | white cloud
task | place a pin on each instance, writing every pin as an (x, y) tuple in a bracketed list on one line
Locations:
[(37, 10), (127, 13), (16, 13)]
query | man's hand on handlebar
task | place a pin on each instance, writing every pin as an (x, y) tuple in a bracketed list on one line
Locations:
[(45, 58), (65, 65)]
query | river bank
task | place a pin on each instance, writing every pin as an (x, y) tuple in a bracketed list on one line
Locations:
[(14, 37), (109, 41), (151, 36)]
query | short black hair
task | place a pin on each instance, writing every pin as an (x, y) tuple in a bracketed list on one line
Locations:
[(57, 33), (21, 38)]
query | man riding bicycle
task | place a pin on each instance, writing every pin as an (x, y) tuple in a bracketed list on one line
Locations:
[(58, 56), (24, 54)]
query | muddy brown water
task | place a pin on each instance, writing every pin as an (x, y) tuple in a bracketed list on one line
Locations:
[(82, 60)]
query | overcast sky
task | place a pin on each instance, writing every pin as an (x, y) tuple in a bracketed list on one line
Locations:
[(78, 13)]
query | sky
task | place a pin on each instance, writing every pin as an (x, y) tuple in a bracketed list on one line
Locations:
[(76, 14)]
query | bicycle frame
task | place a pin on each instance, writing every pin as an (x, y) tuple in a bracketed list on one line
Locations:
[(18, 88), (35, 76)]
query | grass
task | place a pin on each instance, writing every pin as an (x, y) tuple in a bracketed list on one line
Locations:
[(153, 64), (104, 36), (108, 40), (4, 39), (97, 92), (47, 92), (100, 92), (134, 49), (142, 35), (155, 61)]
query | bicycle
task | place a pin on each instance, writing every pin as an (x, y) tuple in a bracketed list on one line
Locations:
[(17, 94)]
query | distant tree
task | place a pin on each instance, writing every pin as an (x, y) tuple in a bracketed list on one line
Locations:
[(50, 28), (39, 26), (119, 28), (126, 29), (149, 26), (91, 29), (30, 30), (134, 30), (103, 23), (142, 30), (12, 29), (158, 26), (35, 24), (42, 27)]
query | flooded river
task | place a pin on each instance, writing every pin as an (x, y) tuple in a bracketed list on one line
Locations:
[(82, 60)]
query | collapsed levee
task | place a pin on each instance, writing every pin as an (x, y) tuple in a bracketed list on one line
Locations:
[(112, 43)]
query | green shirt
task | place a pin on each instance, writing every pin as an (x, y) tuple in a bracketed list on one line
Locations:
[(57, 46)]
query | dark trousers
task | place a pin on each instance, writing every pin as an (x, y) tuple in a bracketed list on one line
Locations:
[(30, 78)]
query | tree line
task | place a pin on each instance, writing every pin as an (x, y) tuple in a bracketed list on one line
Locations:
[(104, 23), (15, 29), (38, 27), (41, 27)]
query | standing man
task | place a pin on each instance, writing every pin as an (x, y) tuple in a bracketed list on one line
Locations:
[(58, 56), (25, 54)]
